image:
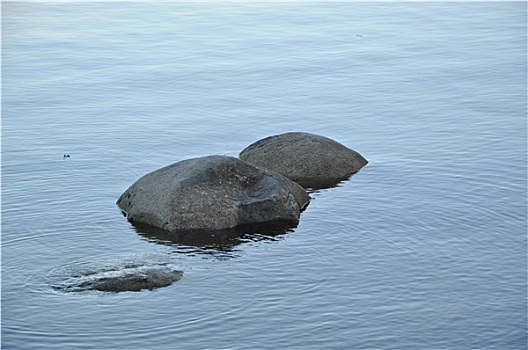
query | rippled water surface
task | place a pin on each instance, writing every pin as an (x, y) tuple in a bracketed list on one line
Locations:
[(424, 248)]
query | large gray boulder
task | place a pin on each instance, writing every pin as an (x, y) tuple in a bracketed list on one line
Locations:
[(212, 193), (312, 161)]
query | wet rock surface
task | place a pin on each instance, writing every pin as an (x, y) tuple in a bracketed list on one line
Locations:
[(312, 161), (116, 277), (212, 193), (135, 280)]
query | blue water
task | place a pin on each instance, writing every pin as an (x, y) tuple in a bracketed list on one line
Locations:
[(424, 248)]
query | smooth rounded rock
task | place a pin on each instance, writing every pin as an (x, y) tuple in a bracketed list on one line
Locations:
[(313, 161), (212, 193)]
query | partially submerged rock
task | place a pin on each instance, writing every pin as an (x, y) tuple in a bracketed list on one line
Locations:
[(212, 193), (118, 276), (132, 281), (135, 280), (312, 161)]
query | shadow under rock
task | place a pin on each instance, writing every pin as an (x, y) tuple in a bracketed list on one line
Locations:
[(217, 243)]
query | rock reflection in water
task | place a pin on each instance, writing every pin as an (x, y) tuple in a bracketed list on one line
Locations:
[(218, 243)]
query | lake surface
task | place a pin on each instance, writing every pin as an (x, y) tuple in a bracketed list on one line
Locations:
[(424, 248)]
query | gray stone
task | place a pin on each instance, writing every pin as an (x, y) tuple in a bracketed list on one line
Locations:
[(117, 276), (312, 161), (212, 193), (136, 281)]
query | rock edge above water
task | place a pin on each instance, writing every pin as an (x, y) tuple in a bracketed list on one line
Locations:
[(312, 161)]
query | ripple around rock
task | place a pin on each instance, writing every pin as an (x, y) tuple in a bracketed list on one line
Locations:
[(310, 160), (212, 193)]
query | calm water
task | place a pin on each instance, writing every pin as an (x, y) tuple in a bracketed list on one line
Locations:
[(425, 248)]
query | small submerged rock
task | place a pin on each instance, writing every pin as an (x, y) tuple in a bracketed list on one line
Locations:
[(313, 161), (134, 281), (212, 193), (116, 277)]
